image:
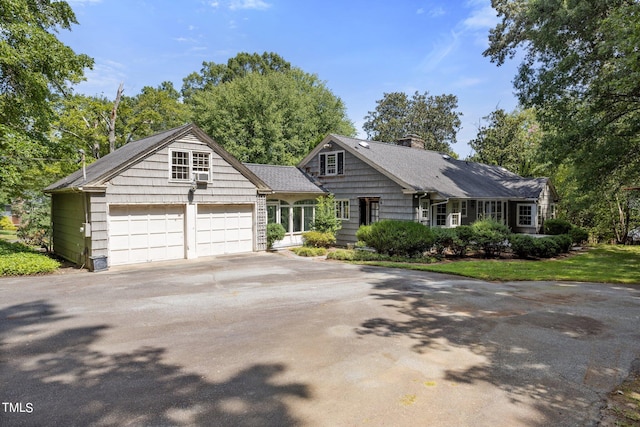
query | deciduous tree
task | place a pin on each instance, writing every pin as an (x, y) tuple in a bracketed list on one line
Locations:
[(433, 118)]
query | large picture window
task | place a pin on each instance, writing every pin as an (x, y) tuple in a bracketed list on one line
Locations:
[(332, 163), (492, 209), (297, 217)]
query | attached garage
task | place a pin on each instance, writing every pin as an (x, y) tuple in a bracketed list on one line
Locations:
[(173, 195), (145, 233), (224, 229)]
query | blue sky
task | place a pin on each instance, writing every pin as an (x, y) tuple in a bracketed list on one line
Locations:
[(360, 48)]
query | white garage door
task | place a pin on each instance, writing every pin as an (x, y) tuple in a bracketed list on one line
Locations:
[(145, 233), (224, 229)]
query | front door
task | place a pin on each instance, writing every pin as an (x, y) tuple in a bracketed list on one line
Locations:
[(369, 210)]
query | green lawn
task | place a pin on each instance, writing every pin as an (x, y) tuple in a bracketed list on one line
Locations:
[(8, 235), (605, 264)]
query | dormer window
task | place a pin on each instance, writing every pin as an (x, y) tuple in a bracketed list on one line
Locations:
[(332, 163), (190, 166)]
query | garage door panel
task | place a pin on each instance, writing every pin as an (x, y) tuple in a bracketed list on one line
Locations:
[(145, 233), (224, 229)]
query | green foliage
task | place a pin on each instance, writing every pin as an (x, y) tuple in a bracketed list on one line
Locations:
[(325, 219), (317, 239), (463, 237), (17, 259), (557, 226), (268, 116), (510, 140), (307, 251), (490, 236), (580, 70), (35, 69), (525, 246), (432, 118), (443, 239), (342, 255), (402, 238), (522, 245), (275, 232), (6, 224), (35, 228), (579, 235)]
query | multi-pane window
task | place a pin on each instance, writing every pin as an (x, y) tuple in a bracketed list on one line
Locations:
[(441, 215), (180, 165), (294, 218), (185, 164), (491, 209), (332, 163), (342, 209), (525, 215), (201, 163), (463, 208)]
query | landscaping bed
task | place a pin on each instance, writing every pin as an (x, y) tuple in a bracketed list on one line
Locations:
[(17, 259)]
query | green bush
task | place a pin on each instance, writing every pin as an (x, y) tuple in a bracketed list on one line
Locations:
[(523, 246), (275, 232), (546, 247), (6, 224), (317, 239), (444, 239), (490, 236), (557, 226), (17, 259), (325, 220), (307, 251), (463, 238), (342, 255), (564, 242), (363, 235), (402, 238), (578, 235)]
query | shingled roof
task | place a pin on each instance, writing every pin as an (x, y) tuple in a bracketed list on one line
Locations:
[(285, 179), (107, 167), (429, 171)]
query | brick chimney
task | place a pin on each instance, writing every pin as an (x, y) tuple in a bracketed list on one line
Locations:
[(411, 140)]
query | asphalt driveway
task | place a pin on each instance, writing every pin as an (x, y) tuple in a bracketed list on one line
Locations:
[(265, 339)]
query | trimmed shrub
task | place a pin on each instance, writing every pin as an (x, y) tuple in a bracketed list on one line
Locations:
[(342, 255), (275, 232), (402, 238), (443, 239), (307, 251), (363, 235), (523, 246), (6, 224), (462, 241), (564, 242), (557, 226), (316, 239), (490, 236), (546, 247), (325, 220), (578, 235)]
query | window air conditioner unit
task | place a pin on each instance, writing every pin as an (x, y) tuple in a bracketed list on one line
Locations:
[(201, 177)]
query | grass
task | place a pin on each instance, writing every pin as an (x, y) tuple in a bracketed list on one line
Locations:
[(8, 235), (602, 264)]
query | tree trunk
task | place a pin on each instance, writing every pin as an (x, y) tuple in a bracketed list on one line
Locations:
[(112, 119)]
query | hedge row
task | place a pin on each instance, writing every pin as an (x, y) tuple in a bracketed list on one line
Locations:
[(411, 239)]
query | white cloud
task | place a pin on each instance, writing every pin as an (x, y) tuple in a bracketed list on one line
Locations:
[(482, 18), (104, 78), (249, 4), (441, 50), (436, 12)]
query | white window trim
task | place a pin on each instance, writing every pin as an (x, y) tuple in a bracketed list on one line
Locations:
[(343, 203), (191, 172), (533, 214), (326, 156)]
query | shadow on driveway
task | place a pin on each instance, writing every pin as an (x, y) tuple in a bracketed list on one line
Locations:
[(68, 383)]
